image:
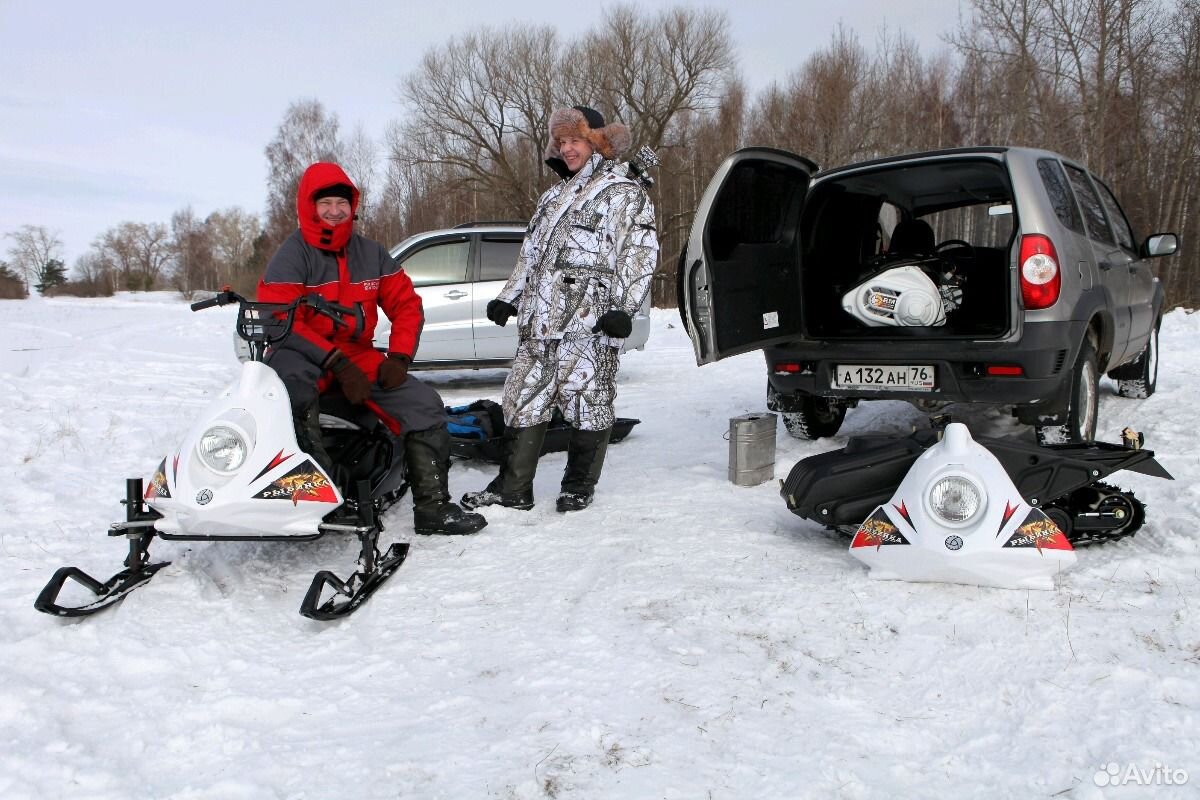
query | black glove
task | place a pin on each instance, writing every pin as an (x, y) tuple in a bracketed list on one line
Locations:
[(616, 324), (499, 311), (354, 382), (393, 371)]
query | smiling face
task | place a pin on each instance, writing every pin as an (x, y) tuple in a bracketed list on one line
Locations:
[(333, 210), (575, 151)]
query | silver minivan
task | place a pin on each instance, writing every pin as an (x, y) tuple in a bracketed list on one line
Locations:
[(457, 271)]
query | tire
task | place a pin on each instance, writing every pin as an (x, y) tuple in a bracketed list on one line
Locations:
[(814, 417), (1142, 371), (1083, 403)]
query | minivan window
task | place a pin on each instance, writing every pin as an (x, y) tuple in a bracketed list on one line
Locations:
[(1060, 194), (497, 258), (1089, 203), (444, 262), (1116, 216)]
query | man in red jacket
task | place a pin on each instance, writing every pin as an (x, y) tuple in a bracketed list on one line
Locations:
[(325, 256)]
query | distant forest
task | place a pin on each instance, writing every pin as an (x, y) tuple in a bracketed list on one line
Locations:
[(1114, 84)]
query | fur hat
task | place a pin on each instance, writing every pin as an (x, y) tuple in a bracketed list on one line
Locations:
[(609, 141)]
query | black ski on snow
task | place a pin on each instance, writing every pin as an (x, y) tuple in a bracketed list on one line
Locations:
[(352, 593)]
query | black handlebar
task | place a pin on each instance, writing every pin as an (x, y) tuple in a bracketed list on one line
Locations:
[(222, 298), (265, 324)]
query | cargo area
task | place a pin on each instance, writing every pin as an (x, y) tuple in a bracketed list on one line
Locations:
[(909, 251)]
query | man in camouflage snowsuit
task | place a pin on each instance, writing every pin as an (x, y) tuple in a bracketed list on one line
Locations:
[(583, 272)]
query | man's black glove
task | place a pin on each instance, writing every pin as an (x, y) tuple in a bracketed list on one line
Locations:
[(393, 371), (354, 382), (499, 311), (616, 324)]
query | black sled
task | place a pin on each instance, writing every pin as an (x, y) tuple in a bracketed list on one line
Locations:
[(477, 431)]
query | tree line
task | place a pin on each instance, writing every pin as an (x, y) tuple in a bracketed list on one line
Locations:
[(1114, 84)]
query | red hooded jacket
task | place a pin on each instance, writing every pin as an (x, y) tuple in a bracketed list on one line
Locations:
[(345, 268)]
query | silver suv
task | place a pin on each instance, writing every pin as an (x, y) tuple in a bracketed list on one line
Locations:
[(1002, 275), (457, 271)]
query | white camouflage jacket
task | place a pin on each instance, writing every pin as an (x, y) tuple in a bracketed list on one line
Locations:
[(591, 247)]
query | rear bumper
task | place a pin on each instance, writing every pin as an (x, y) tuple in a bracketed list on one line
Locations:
[(1045, 353)]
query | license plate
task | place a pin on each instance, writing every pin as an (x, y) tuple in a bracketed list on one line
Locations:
[(874, 377)]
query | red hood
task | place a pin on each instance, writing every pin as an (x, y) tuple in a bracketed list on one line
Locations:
[(314, 230)]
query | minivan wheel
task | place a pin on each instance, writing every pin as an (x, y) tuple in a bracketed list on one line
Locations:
[(1083, 405), (1143, 371), (814, 417)]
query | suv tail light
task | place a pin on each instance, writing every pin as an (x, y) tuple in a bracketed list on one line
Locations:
[(1041, 279)]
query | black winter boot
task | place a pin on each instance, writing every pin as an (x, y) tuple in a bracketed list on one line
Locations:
[(427, 456), (307, 421), (513, 486), (585, 459)]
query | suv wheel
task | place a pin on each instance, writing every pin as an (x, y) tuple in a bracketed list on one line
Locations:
[(1139, 378), (1083, 405), (814, 417)]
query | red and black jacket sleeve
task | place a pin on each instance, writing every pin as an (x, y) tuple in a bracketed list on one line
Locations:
[(402, 305)]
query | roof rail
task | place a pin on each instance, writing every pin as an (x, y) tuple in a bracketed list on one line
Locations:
[(481, 223)]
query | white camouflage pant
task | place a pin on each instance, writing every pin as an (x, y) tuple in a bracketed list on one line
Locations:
[(577, 376)]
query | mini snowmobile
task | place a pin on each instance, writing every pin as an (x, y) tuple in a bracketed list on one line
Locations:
[(240, 475), (941, 506)]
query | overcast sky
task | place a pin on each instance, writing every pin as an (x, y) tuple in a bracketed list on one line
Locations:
[(128, 111)]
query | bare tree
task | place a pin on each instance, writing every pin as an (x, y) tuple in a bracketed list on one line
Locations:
[(93, 270), (194, 267), (648, 71), (33, 246), (137, 252), (307, 134), (360, 155), (231, 234), (152, 243), (478, 108)]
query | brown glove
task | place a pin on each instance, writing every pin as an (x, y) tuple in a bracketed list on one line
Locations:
[(393, 371), (354, 382)]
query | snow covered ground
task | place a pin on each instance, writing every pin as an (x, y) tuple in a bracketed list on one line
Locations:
[(682, 638)]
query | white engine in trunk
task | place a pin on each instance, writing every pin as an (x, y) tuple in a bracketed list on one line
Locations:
[(903, 297)]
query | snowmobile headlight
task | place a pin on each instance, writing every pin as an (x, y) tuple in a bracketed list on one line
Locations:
[(222, 449), (955, 499)]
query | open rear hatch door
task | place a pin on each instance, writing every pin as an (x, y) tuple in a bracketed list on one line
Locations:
[(740, 276)]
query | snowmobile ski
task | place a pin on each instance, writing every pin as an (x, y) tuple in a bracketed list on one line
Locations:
[(373, 569), (350, 594), (111, 591), (138, 527)]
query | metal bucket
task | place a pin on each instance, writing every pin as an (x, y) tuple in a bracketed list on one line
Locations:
[(752, 449)]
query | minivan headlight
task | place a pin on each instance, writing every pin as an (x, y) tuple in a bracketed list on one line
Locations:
[(222, 449), (956, 499)]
